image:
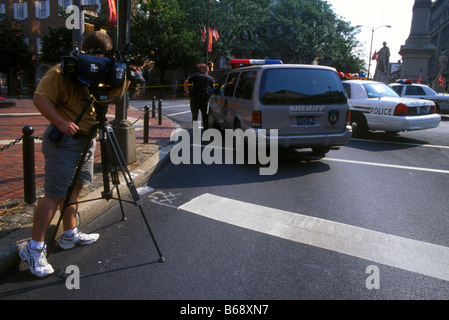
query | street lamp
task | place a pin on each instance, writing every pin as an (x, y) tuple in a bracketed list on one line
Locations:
[(371, 47)]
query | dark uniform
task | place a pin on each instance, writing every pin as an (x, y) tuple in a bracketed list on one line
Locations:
[(199, 95)]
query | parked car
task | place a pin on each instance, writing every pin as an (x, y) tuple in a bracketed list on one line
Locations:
[(306, 104), (376, 106), (406, 88)]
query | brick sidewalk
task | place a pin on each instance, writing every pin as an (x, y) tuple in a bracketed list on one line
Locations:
[(14, 118)]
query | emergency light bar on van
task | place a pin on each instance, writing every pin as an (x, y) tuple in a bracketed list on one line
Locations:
[(238, 63)]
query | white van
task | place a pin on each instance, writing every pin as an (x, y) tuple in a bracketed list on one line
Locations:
[(305, 103)]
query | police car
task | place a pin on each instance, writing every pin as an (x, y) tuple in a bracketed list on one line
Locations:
[(375, 106), (306, 104), (406, 88)]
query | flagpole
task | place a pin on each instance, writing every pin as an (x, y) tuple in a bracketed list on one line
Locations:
[(207, 31)]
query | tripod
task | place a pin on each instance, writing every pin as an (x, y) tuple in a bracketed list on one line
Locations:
[(112, 161)]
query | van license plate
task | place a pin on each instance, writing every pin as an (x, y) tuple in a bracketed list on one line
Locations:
[(306, 121)]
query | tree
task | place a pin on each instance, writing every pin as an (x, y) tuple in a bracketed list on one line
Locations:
[(161, 30), (14, 55), (55, 44)]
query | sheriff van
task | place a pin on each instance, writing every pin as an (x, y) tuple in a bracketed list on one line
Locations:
[(307, 104)]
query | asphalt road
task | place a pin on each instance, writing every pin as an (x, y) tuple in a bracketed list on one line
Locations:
[(368, 221)]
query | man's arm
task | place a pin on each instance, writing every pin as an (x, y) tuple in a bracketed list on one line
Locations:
[(48, 110), (186, 87)]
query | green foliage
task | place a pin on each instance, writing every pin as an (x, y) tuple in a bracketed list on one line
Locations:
[(55, 44), (161, 30), (14, 55)]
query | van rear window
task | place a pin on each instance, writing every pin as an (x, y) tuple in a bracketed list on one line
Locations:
[(301, 86)]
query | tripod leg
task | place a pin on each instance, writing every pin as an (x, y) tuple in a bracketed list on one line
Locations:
[(107, 156), (120, 161)]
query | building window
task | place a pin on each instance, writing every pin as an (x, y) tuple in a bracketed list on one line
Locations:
[(42, 9), (63, 4), (93, 2), (27, 42), (38, 46), (20, 11), (2, 9)]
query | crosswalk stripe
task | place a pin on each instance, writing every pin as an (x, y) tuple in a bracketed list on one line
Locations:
[(403, 253)]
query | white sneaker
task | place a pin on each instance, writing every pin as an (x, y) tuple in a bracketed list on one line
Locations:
[(78, 239), (37, 261)]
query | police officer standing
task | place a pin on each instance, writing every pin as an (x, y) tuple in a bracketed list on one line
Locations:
[(199, 95)]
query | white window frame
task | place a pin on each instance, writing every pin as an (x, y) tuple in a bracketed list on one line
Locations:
[(42, 9), (20, 10)]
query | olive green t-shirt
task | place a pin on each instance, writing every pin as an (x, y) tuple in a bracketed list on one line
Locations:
[(68, 96)]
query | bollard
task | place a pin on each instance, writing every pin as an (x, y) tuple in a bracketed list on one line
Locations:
[(154, 107), (146, 121), (29, 177), (159, 112)]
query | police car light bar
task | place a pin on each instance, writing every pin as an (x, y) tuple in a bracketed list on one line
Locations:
[(238, 63), (404, 81)]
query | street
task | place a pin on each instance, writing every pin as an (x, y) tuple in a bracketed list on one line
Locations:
[(369, 221)]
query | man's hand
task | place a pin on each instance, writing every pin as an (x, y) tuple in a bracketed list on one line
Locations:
[(68, 128)]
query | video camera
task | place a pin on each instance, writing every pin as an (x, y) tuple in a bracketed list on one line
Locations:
[(103, 74)]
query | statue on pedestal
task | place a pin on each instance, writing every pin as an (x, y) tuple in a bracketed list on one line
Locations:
[(383, 61)]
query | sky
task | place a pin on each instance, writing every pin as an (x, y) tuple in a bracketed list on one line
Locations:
[(374, 14)]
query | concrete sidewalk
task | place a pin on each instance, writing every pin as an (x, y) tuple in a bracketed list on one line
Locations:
[(16, 215)]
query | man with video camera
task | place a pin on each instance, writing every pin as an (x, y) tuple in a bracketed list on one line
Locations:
[(61, 99)]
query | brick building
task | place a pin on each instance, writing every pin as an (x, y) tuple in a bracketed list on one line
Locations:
[(34, 18)]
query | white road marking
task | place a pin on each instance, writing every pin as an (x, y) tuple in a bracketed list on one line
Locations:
[(403, 143), (175, 114), (376, 164), (406, 254)]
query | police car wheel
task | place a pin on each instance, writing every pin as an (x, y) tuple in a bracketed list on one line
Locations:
[(359, 125)]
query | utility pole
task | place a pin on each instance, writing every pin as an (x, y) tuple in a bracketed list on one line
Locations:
[(78, 33), (123, 129)]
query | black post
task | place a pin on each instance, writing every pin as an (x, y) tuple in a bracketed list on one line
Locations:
[(154, 107), (146, 124), (29, 177), (159, 112)]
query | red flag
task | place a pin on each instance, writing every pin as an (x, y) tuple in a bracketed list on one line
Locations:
[(112, 13), (215, 34), (441, 80), (210, 40), (375, 56), (203, 33)]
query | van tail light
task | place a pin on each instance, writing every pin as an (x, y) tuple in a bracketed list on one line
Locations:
[(348, 117), (401, 110), (257, 119)]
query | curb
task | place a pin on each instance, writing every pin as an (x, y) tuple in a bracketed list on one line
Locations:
[(10, 244)]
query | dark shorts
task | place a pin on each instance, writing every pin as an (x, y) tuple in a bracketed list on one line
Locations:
[(61, 160)]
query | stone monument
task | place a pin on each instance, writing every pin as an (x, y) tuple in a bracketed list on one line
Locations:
[(383, 61), (418, 48)]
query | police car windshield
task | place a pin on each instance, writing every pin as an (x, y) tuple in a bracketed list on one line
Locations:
[(301, 86), (378, 90)]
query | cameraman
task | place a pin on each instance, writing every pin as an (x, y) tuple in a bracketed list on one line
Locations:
[(60, 99)]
